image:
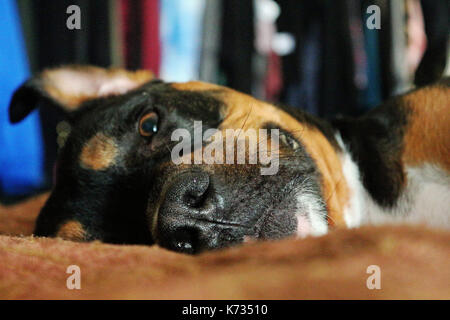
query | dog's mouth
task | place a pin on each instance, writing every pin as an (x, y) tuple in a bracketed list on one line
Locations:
[(225, 223), (273, 225), (205, 209), (177, 226)]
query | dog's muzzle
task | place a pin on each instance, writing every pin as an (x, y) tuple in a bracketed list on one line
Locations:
[(191, 216)]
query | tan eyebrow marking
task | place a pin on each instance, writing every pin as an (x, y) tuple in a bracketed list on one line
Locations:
[(99, 153), (72, 230)]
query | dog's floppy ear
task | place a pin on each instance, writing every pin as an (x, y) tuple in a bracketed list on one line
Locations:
[(68, 87)]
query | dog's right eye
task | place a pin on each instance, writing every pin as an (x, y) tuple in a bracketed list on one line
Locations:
[(148, 125)]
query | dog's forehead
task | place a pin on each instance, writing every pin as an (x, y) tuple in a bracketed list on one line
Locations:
[(194, 101), (239, 110), (216, 106)]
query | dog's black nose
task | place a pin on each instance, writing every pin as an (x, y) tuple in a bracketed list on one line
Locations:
[(185, 218)]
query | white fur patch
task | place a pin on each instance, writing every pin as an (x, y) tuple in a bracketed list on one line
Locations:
[(425, 200), (354, 211), (311, 215)]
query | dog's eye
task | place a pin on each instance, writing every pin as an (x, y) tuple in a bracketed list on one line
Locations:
[(148, 125), (289, 140)]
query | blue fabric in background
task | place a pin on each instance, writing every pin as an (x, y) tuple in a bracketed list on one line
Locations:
[(21, 150), (181, 36)]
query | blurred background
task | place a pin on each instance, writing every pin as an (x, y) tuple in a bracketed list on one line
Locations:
[(328, 57)]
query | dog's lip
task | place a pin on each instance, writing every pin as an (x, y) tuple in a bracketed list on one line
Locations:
[(222, 222)]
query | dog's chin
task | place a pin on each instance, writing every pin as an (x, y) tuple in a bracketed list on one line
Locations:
[(303, 226), (274, 225), (306, 216), (311, 215), (298, 225)]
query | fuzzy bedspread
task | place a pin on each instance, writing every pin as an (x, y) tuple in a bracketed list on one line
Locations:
[(413, 264)]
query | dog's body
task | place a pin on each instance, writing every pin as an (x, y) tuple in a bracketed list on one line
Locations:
[(116, 180), (397, 160)]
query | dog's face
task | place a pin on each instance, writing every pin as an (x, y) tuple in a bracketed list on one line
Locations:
[(134, 171)]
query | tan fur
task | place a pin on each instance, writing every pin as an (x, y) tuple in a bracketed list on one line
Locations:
[(427, 136), (72, 230), (246, 112), (73, 85), (99, 153), (413, 262)]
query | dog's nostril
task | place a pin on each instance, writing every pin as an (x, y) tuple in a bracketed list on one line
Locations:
[(185, 240), (195, 199), (184, 246), (189, 190), (190, 197)]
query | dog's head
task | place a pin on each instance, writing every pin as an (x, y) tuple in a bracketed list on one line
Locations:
[(190, 166)]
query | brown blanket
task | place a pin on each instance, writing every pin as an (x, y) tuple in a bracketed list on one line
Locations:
[(414, 264)]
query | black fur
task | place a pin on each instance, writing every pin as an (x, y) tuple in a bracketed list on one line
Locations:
[(375, 142)]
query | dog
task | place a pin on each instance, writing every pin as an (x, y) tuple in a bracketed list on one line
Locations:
[(116, 179)]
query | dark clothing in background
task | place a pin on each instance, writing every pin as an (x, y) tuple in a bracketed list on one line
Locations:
[(237, 48), (58, 45), (337, 67), (211, 35), (357, 68), (372, 93), (327, 21), (339, 95), (436, 16), (54, 44), (131, 17)]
